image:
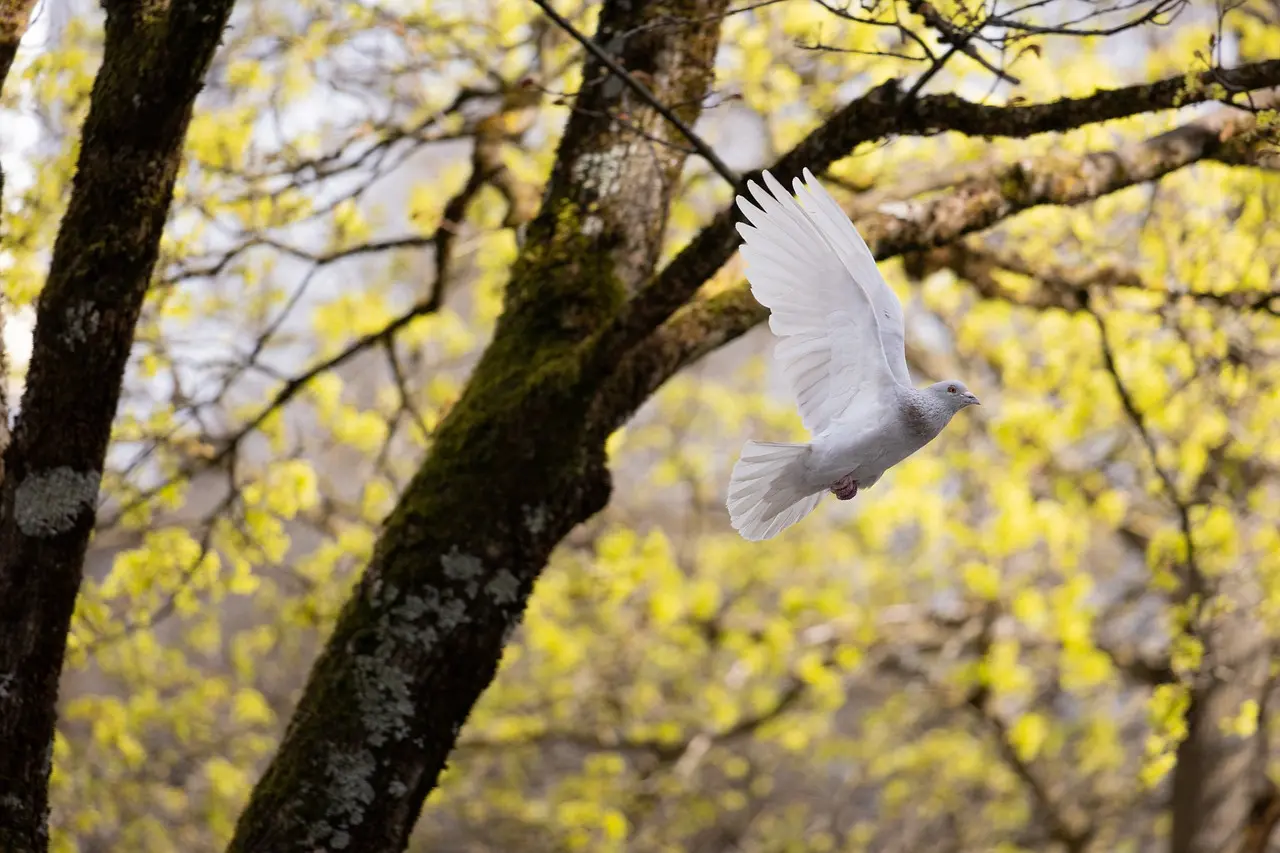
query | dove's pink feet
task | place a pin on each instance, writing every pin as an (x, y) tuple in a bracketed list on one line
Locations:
[(845, 488)]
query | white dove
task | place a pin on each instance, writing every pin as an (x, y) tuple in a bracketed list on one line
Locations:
[(841, 346)]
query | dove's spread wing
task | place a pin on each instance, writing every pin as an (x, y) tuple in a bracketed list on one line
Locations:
[(830, 348), (858, 260)]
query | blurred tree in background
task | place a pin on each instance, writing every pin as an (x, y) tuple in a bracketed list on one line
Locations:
[(423, 263)]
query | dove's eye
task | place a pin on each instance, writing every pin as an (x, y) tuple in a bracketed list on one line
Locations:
[(951, 389)]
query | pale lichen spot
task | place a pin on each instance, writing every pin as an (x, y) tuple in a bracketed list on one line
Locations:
[(349, 793), (535, 519), (350, 787), (463, 568), (397, 788), (47, 503), (602, 171), (385, 683), (449, 612), (390, 718), (503, 588), (384, 695), (82, 324)]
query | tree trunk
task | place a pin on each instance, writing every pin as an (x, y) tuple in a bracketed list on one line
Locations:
[(1221, 775), (102, 263), (513, 468)]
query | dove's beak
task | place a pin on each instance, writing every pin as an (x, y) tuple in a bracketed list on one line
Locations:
[(973, 400)]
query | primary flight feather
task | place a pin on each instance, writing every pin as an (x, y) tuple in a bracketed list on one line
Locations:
[(842, 350)]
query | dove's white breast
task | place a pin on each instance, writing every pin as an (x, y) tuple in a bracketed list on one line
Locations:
[(865, 443)]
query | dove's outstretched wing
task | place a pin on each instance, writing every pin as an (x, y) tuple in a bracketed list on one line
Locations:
[(817, 277), (861, 264)]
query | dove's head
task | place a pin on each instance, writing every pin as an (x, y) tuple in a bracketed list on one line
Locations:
[(953, 394)]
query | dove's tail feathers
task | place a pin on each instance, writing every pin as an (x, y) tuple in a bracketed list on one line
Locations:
[(767, 492)]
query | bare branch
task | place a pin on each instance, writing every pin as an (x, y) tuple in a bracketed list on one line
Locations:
[(956, 36), (1191, 574), (288, 391), (1067, 823)]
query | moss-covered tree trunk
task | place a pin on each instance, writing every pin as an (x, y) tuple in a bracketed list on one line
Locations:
[(513, 468), (153, 64)]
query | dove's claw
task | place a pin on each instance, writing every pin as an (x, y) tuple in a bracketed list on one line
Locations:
[(845, 488)]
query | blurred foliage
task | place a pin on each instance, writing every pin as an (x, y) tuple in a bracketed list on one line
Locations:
[(965, 652)]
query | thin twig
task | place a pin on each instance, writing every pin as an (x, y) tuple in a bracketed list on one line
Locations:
[(290, 390), (1194, 580)]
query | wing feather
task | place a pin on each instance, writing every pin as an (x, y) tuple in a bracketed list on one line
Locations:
[(861, 264), (800, 267)]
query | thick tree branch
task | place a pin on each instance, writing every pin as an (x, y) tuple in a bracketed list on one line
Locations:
[(102, 262), (883, 112), (1061, 286), (973, 205)]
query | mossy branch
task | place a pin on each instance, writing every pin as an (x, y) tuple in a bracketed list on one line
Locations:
[(1231, 136), (884, 112)]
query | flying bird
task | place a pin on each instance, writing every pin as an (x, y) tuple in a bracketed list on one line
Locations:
[(842, 348)]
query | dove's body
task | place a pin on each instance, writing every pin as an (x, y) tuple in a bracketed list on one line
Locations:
[(842, 348), (864, 444)]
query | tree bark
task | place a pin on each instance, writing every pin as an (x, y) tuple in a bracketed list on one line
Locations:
[(102, 262), (511, 471), (14, 16), (1221, 774)]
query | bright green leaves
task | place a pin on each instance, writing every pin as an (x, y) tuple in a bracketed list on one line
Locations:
[(1167, 716), (167, 561), (982, 580), (1028, 736)]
